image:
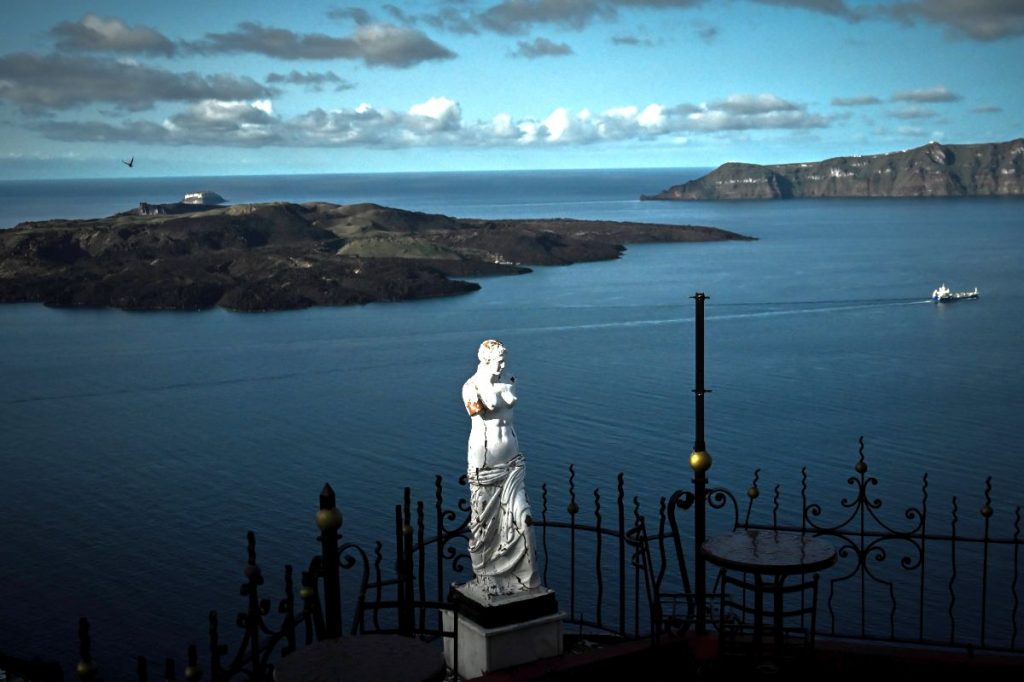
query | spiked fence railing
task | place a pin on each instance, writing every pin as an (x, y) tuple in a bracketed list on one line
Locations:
[(618, 574)]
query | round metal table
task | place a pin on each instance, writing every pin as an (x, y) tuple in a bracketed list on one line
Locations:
[(770, 556), (773, 552)]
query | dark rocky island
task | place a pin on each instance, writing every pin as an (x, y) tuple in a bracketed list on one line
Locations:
[(279, 256), (934, 170)]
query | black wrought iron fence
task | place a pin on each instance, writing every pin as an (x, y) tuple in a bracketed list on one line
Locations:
[(931, 577), (922, 574), (926, 577), (593, 560)]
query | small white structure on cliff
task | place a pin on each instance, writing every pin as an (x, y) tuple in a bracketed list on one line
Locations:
[(205, 198)]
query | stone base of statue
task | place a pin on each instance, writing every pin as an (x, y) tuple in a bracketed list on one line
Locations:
[(501, 631)]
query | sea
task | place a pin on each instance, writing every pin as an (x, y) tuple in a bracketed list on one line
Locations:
[(138, 448)]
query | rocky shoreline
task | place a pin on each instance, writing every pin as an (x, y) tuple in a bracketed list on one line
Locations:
[(281, 256)]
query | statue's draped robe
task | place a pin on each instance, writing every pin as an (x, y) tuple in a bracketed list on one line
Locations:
[(501, 542)]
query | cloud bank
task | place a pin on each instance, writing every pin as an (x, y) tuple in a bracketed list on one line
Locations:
[(976, 19), (861, 101), (438, 121), (375, 44), (93, 33), (518, 17), (56, 81), (837, 8), (311, 80), (932, 95), (541, 47)]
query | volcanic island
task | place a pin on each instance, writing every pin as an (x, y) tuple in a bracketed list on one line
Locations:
[(282, 256)]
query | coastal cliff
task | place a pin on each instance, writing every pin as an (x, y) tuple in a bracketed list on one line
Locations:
[(277, 256), (934, 170)]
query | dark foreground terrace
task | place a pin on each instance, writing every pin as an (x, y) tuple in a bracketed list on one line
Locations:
[(698, 658)]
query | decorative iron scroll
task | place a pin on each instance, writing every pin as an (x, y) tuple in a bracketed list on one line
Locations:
[(907, 592)]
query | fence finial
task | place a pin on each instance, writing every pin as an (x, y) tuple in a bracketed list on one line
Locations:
[(328, 517), (86, 668)]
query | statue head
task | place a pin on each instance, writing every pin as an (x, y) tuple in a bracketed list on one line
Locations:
[(492, 354)]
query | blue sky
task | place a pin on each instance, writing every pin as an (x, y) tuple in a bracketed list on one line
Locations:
[(197, 88)]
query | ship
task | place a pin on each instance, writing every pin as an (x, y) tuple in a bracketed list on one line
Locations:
[(944, 295)]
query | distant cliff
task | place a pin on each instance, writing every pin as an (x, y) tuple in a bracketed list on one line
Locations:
[(934, 170)]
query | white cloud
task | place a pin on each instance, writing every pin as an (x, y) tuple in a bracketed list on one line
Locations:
[(939, 93), (858, 101), (541, 47), (748, 112), (752, 104), (503, 128), (439, 122), (622, 112), (108, 34), (439, 113), (653, 116), (977, 19), (557, 123), (312, 80), (435, 107), (528, 132)]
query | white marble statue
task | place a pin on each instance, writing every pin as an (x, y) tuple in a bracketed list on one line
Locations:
[(501, 540)]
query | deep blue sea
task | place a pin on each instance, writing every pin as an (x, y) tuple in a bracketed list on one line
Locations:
[(136, 449)]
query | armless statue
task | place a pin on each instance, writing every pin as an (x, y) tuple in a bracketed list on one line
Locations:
[(501, 540)]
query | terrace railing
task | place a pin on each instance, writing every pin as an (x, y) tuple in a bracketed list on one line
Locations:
[(929, 578), (923, 579), (593, 559)]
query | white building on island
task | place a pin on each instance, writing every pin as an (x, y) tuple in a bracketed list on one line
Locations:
[(206, 197)]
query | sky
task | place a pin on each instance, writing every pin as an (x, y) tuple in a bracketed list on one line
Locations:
[(235, 88)]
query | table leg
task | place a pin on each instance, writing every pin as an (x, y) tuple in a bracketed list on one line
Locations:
[(777, 607), (758, 612)]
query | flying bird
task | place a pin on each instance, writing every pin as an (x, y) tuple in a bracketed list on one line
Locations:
[(130, 163)]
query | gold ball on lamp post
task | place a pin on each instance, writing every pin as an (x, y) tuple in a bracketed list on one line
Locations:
[(700, 461)]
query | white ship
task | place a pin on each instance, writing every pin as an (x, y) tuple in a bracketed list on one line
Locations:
[(944, 295)]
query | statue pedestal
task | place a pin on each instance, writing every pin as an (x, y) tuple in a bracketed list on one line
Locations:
[(497, 632)]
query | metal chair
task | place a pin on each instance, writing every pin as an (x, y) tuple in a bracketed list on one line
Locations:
[(671, 601)]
